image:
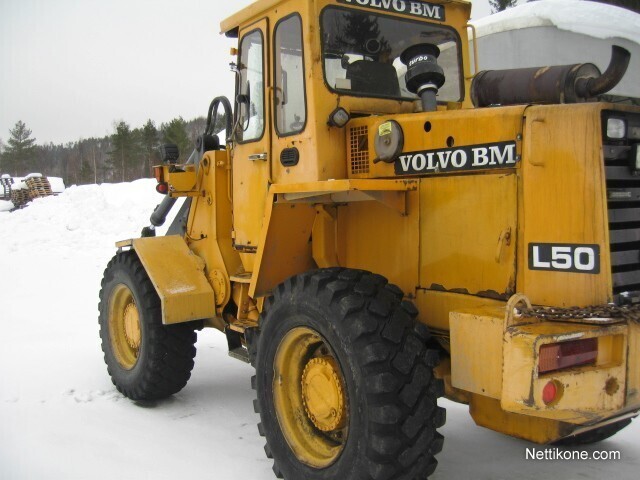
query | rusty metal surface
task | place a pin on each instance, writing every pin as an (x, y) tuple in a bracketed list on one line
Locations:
[(591, 87), (621, 313), (530, 85)]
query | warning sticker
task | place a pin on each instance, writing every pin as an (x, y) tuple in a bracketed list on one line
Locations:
[(385, 129)]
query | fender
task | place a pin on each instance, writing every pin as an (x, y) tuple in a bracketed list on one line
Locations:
[(178, 277)]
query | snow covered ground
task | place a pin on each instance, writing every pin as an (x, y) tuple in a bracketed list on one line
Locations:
[(61, 418)]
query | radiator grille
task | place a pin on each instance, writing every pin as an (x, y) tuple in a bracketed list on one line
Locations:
[(359, 150), (623, 200)]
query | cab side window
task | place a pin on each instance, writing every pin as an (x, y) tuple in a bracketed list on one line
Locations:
[(250, 98), (290, 104)]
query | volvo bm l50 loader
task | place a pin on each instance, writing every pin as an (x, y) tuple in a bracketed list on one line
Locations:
[(383, 225)]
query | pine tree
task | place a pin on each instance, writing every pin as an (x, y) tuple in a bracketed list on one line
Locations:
[(500, 5), (150, 147), (175, 132), (20, 149), (125, 150)]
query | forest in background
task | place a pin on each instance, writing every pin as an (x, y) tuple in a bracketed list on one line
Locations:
[(125, 155)]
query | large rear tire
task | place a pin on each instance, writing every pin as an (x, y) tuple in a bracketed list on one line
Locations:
[(145, 359), (344, 380)]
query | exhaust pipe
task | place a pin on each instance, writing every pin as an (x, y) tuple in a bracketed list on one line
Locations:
[(593, 87), (558, 84)]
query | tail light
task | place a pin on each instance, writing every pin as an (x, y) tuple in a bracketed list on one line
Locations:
[(158, 172), (162, 188), (558, 356)]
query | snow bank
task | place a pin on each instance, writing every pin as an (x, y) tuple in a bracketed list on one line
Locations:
[(85, 219), (57, 184), (578, 16)]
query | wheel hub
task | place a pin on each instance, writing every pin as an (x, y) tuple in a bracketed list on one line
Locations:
[(322, 394), (132, 326)]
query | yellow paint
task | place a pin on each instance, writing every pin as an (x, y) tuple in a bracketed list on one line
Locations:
[(563, 200), (487, 412), (438, 305), (181, 178), (209, 226), (476, 353), (463, 223), (178, 277)]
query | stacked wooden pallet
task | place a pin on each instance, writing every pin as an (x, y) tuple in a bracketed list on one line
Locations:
[(38, 187), (20, 196)]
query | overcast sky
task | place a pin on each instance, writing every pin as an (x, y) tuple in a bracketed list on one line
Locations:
[(70, 68)]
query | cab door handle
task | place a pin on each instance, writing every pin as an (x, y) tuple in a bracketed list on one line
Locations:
[(258, 156)]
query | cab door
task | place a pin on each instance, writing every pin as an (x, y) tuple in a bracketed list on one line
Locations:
[(251, 157)]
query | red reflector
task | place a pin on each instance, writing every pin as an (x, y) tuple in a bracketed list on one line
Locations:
[(549, 392), (162, 188), (158, 172), (557, 356)]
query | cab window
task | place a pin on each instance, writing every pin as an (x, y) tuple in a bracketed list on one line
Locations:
[(290, 106), (361, 52), (250, 97)]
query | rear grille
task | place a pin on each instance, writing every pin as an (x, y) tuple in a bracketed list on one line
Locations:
[(623, 199), (359, 150)]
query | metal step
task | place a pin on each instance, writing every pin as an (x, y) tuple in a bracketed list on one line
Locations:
[(240, 353)]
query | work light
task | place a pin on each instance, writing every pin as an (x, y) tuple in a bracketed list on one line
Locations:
[(616, 128)]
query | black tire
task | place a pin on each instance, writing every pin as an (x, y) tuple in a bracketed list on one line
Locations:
[(386, 365), (594, 436), (162, 362)]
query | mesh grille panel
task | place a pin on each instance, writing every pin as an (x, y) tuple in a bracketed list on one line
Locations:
[(359, 150)]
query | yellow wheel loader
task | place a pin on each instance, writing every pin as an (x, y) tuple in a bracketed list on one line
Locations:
[(382, 225)]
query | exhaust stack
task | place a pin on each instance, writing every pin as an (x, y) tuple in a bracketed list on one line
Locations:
[(559, 84)]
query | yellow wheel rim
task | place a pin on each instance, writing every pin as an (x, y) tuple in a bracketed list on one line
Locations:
[(309, 398), (124, 327)]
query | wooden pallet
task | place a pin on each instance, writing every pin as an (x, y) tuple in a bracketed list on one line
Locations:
[(20, 197), (38, 187)]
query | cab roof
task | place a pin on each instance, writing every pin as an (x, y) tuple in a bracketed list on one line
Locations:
[(231, 25)]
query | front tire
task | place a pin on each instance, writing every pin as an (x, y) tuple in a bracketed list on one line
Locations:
[(345, 381), (145, 359)]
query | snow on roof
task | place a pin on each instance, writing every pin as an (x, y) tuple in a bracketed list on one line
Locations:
[(579, 16)]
